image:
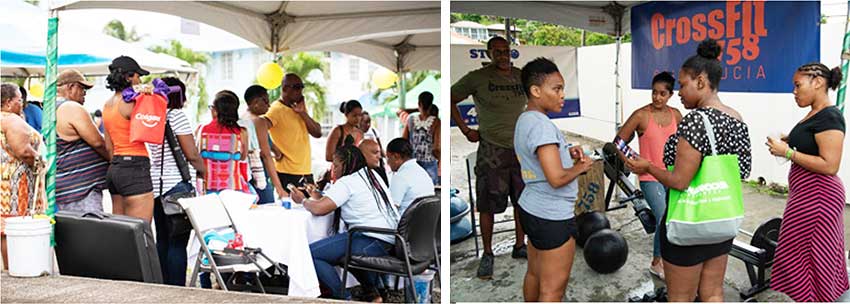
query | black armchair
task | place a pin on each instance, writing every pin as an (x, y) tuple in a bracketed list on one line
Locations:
[(415, 246)]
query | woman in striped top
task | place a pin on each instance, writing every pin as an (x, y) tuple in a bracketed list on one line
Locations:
[(809, 264)]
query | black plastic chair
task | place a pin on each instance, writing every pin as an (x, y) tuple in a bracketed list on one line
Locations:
[(415, 246)]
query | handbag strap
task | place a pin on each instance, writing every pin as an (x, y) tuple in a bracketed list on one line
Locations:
[(709, 131), (162, 157)]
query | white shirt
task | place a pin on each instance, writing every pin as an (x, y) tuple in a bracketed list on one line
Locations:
[(170, 173), (409, 183), (361, 206)]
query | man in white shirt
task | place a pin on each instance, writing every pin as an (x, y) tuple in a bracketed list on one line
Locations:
[(409, 181)]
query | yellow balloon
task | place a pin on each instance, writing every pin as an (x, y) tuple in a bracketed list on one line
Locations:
[(269, 75), (384, 78), (36, 90)]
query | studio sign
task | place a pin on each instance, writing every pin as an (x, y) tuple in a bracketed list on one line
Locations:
[(148, 120), (482, 54)]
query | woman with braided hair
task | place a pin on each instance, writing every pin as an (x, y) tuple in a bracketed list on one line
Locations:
[(363, 200), (809, 264)]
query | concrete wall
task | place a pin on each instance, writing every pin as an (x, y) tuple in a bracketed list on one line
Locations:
[(765, 114)]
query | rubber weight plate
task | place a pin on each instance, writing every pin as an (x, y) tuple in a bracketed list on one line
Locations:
[(767, 236)]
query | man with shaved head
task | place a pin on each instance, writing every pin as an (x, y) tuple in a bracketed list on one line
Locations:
[(289, 126), (372, 151)]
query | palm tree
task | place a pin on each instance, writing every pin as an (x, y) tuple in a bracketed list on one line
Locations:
[(302, 64), (196, 60), (411, 80), (116, 29)]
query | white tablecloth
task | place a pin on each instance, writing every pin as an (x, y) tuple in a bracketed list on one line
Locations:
[(284, 236)]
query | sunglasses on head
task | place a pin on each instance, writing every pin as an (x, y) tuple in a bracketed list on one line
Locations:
[(297, 86)]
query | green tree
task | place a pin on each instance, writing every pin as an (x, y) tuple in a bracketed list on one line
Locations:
[(115, 28), (302, 64), (196, 60), (33, 2), (544, 34), (411, 80)]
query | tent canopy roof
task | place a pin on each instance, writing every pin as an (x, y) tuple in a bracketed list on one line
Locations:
[(291, 25), (91, 53)]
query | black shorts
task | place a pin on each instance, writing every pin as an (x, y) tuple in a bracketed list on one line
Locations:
[(546, 234), (497, 178), (129, 175)]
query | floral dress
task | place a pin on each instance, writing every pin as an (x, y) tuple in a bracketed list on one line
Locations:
[(22, 188)]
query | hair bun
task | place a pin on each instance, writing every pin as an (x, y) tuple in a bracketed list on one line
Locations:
[(342, 107), (709, 49), (834, 79)]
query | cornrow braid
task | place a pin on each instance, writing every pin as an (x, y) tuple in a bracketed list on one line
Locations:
[(817, 69)]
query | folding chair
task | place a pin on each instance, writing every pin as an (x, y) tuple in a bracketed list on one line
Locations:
[(471, 160), (415, 247), (207, 213)]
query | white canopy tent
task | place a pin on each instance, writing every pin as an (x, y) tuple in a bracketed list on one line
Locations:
[(407, 51), (386, 32), (611, 17), (27, 24), (279, 26)]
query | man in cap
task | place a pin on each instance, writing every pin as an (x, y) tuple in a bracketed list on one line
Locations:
[(82, 158)]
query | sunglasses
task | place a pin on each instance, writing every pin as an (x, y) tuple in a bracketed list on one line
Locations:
[(297, 86)]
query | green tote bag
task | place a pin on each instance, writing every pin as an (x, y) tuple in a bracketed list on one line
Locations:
[(711, 209)]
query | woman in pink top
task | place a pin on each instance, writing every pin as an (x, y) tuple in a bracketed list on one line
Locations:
[(654, 124)]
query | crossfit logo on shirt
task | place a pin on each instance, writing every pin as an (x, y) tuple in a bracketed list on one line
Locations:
[(148, 120), (515, 88)]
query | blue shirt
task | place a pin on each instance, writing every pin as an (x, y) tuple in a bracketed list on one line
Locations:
[(533, 129), (32, 114), (409, 183)]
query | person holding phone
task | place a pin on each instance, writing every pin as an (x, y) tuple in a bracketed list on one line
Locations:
[(654, 123), (550, 170)]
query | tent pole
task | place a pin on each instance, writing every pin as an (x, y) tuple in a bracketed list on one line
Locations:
[(48, 130), (508, 30), (402, 90), (616, 11)]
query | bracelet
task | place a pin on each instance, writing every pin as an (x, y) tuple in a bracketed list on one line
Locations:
[(789, 153)]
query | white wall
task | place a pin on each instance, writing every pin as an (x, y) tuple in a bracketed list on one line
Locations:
[(764, 113)]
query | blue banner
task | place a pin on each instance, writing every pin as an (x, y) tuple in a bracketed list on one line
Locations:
[(572, 108), (762, 43)]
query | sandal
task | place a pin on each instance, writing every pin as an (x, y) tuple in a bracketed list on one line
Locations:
[(659, 274)]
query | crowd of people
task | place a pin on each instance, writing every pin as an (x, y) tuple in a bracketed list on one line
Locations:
[(266, 151), (523, 156)]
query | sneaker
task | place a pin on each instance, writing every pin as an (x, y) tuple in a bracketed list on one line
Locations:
[(520, 252), (485, 267)]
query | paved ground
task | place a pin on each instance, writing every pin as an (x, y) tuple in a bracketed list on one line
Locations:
[(585, 285), (67, 289)]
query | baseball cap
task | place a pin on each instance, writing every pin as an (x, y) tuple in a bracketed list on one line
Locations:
[(127, 64), (71, 76)]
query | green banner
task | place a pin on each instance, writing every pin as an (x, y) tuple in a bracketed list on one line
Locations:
[(845, 63), (48, 129)]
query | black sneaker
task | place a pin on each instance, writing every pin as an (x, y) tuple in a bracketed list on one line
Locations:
[(520, 252), (485, 267)]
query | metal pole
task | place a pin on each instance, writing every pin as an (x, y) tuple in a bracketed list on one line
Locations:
[(48, 130), (402, 91), (508, 30), (845, 62)]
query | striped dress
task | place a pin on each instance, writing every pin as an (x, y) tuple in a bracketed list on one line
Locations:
[(809, 263)]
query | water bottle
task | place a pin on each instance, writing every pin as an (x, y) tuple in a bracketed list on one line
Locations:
[(285, 202)]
